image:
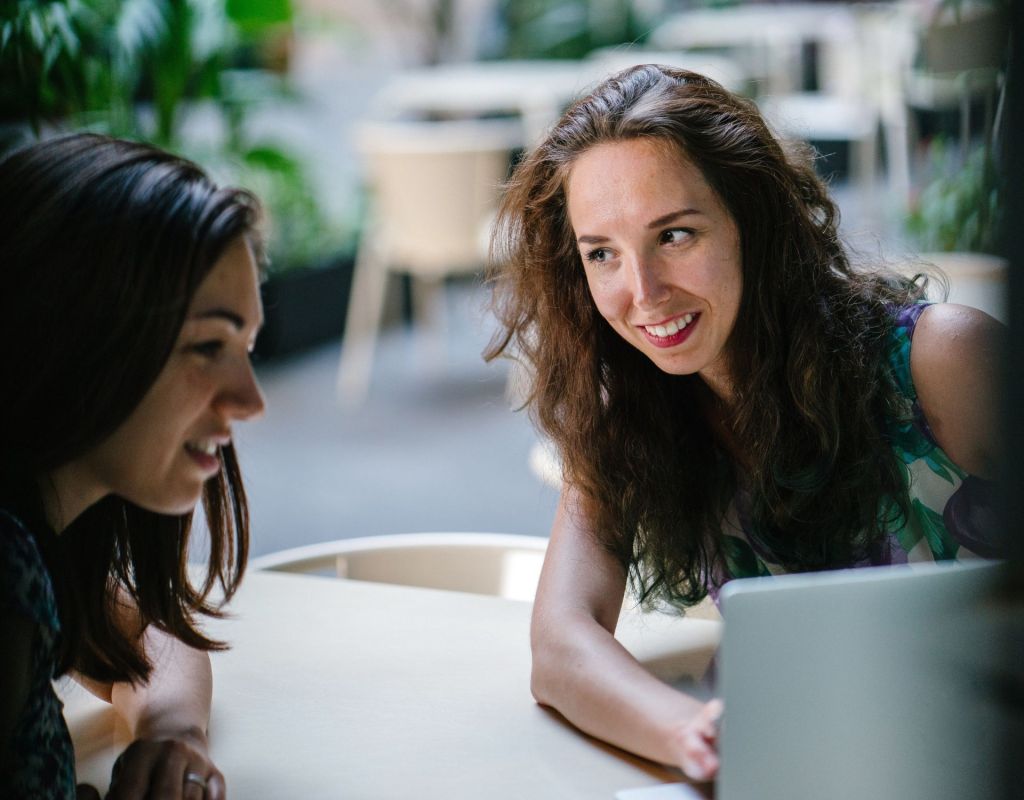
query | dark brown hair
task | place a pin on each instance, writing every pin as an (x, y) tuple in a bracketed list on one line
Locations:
[(807, 354), (104, 244)]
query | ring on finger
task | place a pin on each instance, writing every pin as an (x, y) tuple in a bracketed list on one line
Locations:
[(196, 778)]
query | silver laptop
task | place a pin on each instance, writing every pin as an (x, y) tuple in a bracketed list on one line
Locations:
[(861, 684)]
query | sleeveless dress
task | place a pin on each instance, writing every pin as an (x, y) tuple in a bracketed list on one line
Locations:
[(951, 514), (41, 760)]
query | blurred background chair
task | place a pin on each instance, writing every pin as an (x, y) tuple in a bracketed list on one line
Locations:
[(957, 65), (433, 188), (850, 94), (497, 564)]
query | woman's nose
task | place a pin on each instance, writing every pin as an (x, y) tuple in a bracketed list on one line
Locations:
[(243, 399), (648, 288)]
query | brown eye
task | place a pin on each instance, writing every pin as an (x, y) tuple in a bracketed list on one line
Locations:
[(209, 349), (676, 235)]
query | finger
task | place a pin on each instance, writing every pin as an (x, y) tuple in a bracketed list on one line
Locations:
[(194, 785), (700, 759), (700, 764), (168, 779), (710, 722), (215, 787), (130, 776)]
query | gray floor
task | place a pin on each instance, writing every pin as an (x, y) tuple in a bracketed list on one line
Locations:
[(436, 447)]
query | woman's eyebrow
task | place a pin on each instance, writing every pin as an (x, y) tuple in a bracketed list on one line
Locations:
[(665, 219), (222, 313), (672, 216)]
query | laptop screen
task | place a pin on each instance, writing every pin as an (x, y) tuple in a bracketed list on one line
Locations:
[(860, 684)]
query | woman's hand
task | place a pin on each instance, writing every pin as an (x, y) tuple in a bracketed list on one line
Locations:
[(696, 743), (173, 768)]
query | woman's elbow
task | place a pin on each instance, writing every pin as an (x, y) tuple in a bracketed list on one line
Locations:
[(547, 671)]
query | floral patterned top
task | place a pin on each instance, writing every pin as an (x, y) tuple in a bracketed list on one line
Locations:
[(41, 761), (951, 514)]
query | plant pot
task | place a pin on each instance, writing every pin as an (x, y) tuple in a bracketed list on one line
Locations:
[(304, 307)]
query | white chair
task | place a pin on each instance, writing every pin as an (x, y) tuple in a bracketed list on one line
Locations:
[(502, 565), (433, 190), (862, 59), (960, 59)]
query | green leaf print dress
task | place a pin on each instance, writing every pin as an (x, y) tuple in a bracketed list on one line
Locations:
[(951, 514)]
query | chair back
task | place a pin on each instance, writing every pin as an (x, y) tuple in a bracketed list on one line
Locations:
[(502, 565), (434, 187)]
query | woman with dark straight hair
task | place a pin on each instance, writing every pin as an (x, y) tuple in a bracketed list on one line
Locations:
[(128, 309), (728, 395)]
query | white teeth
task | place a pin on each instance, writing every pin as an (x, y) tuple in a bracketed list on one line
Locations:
[(206, 446), (671, 329)]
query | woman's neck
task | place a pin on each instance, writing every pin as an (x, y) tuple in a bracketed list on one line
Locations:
[(719, 384), (717, 412)]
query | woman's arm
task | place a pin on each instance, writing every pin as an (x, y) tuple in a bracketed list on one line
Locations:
[(168, 718), (583, 672), (955, 365)]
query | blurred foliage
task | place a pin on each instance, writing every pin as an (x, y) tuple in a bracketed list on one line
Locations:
[(566, 28), (959, 209), (94, 59), (131, 68), (957, 7)]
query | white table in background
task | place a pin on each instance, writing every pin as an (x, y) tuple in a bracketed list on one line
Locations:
[(770, 33), (535, 90), (344, 689)]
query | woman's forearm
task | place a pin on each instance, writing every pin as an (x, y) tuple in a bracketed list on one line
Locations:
[(583, 672), (176, 700)]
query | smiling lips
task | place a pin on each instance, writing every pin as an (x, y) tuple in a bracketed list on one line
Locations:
[(671, 333), (204, 453)]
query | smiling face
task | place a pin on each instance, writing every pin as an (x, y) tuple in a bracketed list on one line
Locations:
[(162, 454), (661, 254)]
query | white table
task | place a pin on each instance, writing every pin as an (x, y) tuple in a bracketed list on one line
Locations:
[(535, 90), (771, 33), (345, 689)]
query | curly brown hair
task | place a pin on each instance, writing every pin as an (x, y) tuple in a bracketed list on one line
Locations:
[(806, 355)]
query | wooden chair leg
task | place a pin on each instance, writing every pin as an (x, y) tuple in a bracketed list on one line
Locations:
[(362, 324), (429, 316)]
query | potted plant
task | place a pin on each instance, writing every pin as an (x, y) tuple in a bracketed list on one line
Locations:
[(133, 68), (955, 218)]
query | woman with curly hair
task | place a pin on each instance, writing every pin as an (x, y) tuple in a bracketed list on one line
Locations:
[(130, 303), (729, 397)]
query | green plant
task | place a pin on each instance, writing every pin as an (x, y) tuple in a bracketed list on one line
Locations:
[(91, 61), (297, 231), (959, 208), (132, 67), (566, 28)]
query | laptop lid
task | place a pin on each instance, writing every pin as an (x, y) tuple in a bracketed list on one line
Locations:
[(860, 684)]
